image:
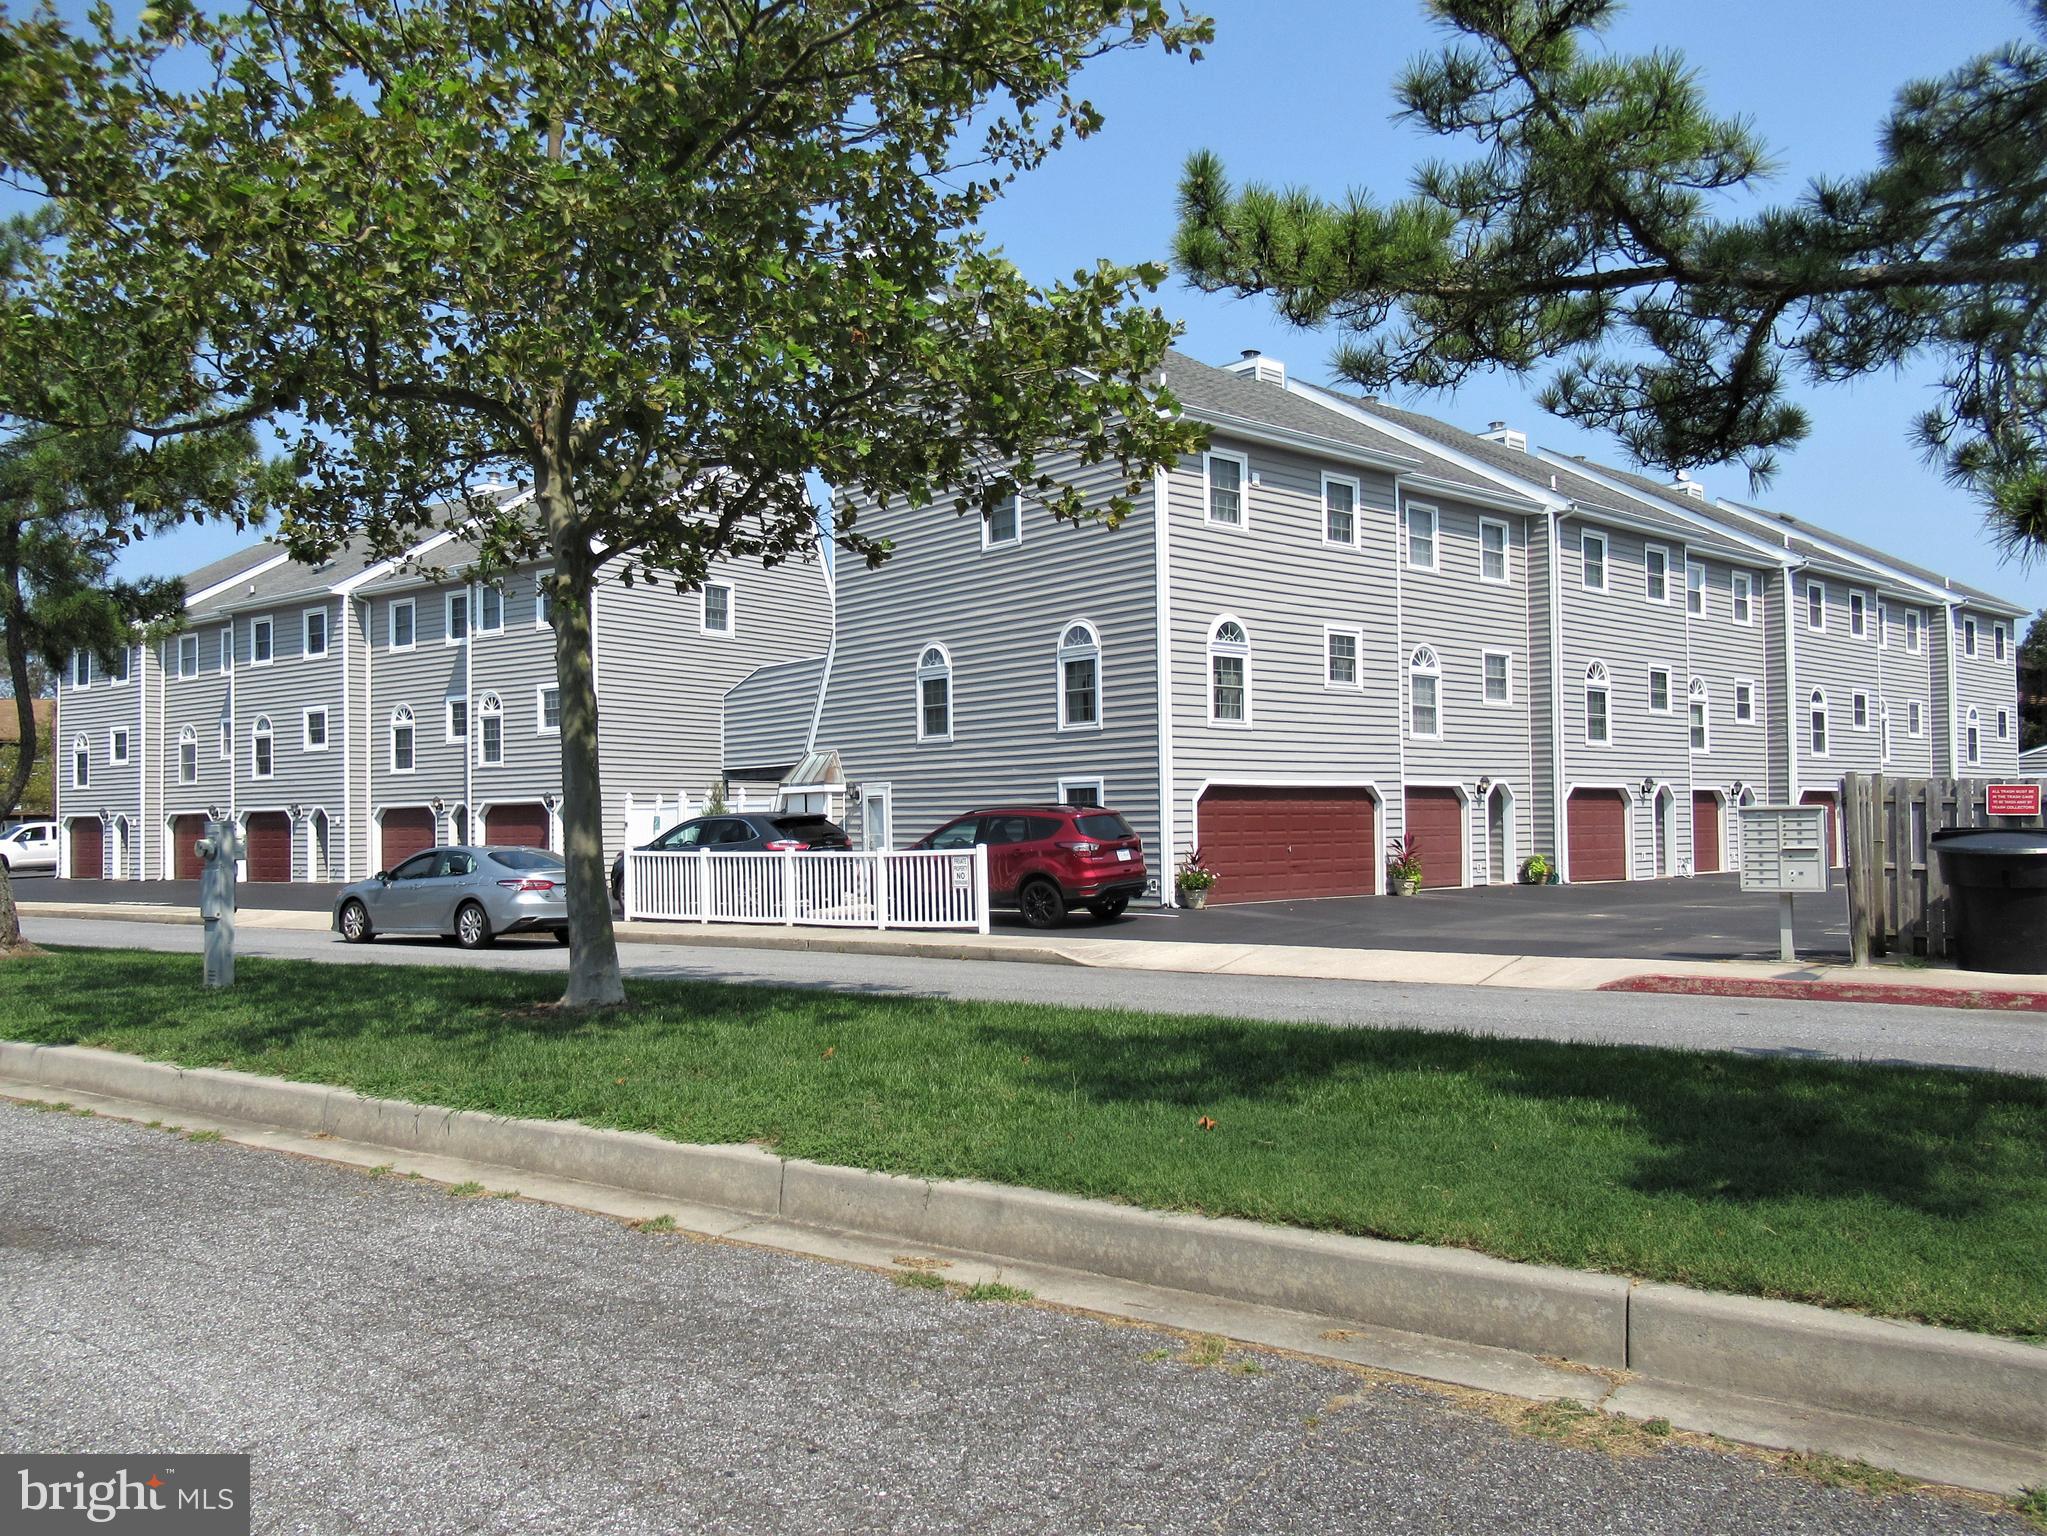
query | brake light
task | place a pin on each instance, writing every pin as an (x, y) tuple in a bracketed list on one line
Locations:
[(1082, 847), (528, 885), (785, 845)]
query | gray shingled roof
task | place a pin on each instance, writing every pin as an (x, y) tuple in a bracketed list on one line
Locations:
[(1868, 552), (215, 572)]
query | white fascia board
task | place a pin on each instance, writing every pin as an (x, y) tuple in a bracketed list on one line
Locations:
[(1939, 591), (193, 599), (1457, 490), (1846, 564), (385, 567), (1308, 442), (1514, 485), (1692, 536), (1772, 553)]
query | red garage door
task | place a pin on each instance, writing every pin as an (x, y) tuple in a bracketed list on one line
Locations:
[(185, 831), (405, 833), (1599, 834), (1826, 798), (1435, 821), (269, 835), (88, 849), (1272, 843), (516, 826), (1705, 833)]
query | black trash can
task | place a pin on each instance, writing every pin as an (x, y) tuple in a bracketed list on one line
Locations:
[(1997, 893)]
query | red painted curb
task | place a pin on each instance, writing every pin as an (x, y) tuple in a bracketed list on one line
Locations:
[(1836, 992)]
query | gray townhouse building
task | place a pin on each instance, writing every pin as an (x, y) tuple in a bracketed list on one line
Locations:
[(1346, 623), (352, 713)]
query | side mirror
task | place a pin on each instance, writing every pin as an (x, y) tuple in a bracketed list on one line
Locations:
[(384, 875)]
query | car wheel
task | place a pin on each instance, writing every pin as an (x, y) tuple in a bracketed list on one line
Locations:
[(355, 923), (1041, 904), (472, 926), (1108, 911)]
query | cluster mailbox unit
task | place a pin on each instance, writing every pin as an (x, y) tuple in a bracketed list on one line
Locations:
[(1784, 849)]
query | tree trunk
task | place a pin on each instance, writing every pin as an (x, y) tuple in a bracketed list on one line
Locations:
[(594, 980), (10, 915), (28, 747)]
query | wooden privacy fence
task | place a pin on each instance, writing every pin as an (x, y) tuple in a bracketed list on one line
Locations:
[(1897, 899)]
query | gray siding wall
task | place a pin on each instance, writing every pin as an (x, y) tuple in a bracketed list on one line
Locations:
[(1781, 732), (1841, 665), (95, 713), (1000, 614), (768, 716), (422, 679), (200, 703), (1722, 653), (1277, 577), (1543, 554), (1989, 685), (1905, 678), (282, 691)]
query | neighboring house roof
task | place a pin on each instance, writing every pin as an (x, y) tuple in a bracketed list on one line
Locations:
[(45, 711), (1216, 395), (2034, 761), (1975, 595)]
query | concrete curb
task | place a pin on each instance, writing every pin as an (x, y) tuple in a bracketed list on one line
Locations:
[(1993, 1000), (1803, 1357)]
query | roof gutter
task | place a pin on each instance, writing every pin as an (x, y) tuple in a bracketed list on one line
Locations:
[(1286, 437)]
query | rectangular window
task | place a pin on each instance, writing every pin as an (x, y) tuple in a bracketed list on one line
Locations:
[(402, 622), (1815, 606), (1745, 703), (1339, 510), (1696, 709), (227, 648), (1858, 615), (1226, 474), (1659, 690), (1597, 733), (261, 643), (117, 746), (316, 730), (1912, 630), (316, 631), (717, 608), (1915, 723), (1656, 565), (1342, 650), (490, 610), (1226, 676), (1968, 637), (81, 765), (188, 656), (1858, 710), (491, 745), (1492, 550), (188, 758), (1744, 594), (1997, 641), (1592, 555), (401, 743), (1421, 538), (458, 619), (550, 710), (1079, 691), (1424, 718), (934, 695), (1081, 792), (543, 600), (2003, 725), (227, 739), (457, 719), (1819, 728), (1695, 588), (81, 669), (1004, 524), (1499, 677), (261, 763), (121, 663)]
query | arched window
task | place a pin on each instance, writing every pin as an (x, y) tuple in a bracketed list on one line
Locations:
[(1229, 673), (1598, 723), (188, 755), (262, 754), (934, 694), (1424, 695), (1817, 712), (1696, 701), (1080, 677), (490, 730), (401, 739), (1972, 736), (81, 763)]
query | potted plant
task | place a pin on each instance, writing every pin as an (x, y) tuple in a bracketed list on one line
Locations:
[(1193, 881), (1404, 867), (1535, 870)]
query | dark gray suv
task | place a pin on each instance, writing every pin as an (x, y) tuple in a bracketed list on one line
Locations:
[(742, 832)]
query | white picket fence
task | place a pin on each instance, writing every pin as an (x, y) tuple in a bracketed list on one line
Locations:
[(813, 889)]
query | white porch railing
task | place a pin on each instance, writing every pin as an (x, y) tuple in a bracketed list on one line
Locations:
[(813, 889)]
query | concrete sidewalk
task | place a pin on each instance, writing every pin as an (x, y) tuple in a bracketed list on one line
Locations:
[(1926, 986)]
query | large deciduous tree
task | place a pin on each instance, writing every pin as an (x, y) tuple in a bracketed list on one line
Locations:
[(656, 259), (1600, 223)]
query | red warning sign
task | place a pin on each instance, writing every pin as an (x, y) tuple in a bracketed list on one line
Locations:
[(2012, 799)]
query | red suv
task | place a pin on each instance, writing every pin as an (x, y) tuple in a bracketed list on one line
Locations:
[(1043, 859)]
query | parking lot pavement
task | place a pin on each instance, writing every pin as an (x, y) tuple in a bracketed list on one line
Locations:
[(400, 1359)]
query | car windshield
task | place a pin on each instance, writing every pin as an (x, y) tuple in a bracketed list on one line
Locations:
[(812, 828), (1105, 826), (526, 858)]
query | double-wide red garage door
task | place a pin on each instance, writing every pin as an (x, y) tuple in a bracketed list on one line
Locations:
[(1435, 824), (516, 826), (404, 833), (269, 839), (1598, 834), (1268, 844), (88, 849)]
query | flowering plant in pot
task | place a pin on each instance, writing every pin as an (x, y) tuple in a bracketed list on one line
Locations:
[(1193, 881), (1404, 867)]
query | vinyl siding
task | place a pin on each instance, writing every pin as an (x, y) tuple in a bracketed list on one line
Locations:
[(768, 716), (1989, 685), (96, 712), (1720, 652)]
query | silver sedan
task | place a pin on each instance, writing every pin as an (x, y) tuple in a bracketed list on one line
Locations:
[(470, 895)]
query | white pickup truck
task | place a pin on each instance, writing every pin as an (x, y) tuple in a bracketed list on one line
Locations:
[(30, 849)]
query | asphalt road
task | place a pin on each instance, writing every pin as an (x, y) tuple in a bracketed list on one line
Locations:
[(2005, 1042), (399, 1359)]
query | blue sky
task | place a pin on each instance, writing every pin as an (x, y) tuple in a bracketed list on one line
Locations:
[(1300, 91)]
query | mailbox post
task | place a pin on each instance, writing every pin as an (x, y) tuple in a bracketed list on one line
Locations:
[(1784, 849), (219, 851)]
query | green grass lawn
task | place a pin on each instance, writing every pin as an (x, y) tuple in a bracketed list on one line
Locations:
[(1905, 1192)]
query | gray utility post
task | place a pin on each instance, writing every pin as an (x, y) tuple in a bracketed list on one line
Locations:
[(219, 851)]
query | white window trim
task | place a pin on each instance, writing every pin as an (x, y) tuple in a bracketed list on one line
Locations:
[(81, 661), (543, 596), (306, 618), (225, 729), (489, 706), (1603, 686), (81, 757), (988, 539), (1432, 668), (1748, 684), (124, 668), (263, 622), (306, 729), (189, 736), (458, 600), (1059, 660), (117, 746), (1209, 654), (1859, 696), (391, 623), (1915, 631), (1647, 551), (1506, 576), (448, 734), (1998, 641), (1407, 536), (1585, 581), (391, 724), (1745, 584), (1816, 700), (227, 648), (2004, 725), (1972, 727), (1698, 693), (1915, 718), (184, 641), (484, 589), (1483, 656), (731, 610), (1065, 797), (1819, 587), (262, 731), (1856, 632), (1969, 637), (540, 725), (1703, 589), (919, 673), (1243, 463), (1357, 497), (1357, 684), (1669, 699)]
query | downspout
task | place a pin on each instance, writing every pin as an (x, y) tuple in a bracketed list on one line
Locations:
[(1402, 704), (1950, 610), (472, 734), (1559, 765), (1162, 580), (1789, 606), (369, 732), (347, 746)]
